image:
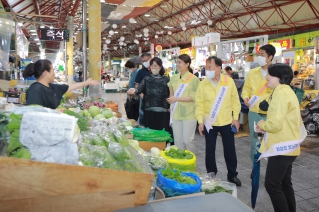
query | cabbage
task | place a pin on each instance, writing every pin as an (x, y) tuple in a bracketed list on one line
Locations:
[(94, 110), (107, 113), (127, 123), (155, 151), (129, 128), (98, 117)]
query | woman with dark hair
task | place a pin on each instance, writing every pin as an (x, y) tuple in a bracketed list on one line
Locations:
[(44, 92), (283, 132), (183, 88), (155, 90)]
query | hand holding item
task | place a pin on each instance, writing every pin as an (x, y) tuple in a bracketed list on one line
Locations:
[(257, 129), (201, 129), (90, 81), (236, 124), (246, 101), (131, 91), (171, 99)]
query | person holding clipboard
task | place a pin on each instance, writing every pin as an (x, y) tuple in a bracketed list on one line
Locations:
[(183, 88), (217, 111)]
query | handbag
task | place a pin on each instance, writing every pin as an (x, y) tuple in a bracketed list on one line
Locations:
[(132, 107)]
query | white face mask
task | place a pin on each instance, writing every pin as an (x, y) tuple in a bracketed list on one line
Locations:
[(146, 64), (129, 71), (155, 71), (261, 61), (210, 74)]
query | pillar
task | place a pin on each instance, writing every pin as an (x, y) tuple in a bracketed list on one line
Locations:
[(69, 50), (95, 45)]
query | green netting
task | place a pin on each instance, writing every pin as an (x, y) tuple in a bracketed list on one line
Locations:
[(146, 134)]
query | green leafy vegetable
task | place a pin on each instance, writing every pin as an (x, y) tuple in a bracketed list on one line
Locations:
[(217, 189), (82, 123), (176, 175), (178, 154)]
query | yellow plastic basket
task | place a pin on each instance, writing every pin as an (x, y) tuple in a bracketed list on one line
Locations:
[(181, 164)]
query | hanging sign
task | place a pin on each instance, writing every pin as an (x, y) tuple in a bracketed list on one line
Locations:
[(208, 39)]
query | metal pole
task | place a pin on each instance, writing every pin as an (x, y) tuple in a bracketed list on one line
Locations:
[(84, 36)]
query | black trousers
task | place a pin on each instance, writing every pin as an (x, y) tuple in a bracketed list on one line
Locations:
[(228, 140), (156, 120), (278, 183)]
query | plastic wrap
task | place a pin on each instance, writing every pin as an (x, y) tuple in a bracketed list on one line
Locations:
[(157, 163), (173, 188), (97, 156), (210, 185), (146, 134)]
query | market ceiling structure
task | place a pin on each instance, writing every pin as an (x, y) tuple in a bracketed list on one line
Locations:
[(231, 18)]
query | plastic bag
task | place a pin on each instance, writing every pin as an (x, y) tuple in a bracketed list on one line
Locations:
[(210, 184), (146, 134), (97, 156), (173, 188), (181, 164), (157, 163)]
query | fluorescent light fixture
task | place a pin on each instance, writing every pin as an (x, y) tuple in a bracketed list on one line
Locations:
[(39, 43), (36, 39), (147, 15), (42, 26), (33, 33), (168, 27), (32, 30), (116, 32), (20, 24)]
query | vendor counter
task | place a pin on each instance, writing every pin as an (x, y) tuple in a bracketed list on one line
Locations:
[(219, 202), (115, 85)]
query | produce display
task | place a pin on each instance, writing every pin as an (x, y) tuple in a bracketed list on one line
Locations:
[(175, 183), (177, 176), (15, 148), (82, 123), (178, 154), (180, 159), (217, 189)]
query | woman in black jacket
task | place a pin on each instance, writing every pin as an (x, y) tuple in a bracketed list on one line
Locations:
[(155, 90)]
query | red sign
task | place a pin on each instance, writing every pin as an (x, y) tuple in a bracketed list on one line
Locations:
[(285, 44)]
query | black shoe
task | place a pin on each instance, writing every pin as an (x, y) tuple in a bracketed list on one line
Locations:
[(234, 180)]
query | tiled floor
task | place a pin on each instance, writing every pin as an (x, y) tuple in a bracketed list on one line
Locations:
[(305, 169)]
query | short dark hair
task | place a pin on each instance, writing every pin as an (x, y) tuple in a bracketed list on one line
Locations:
[(269, 49), (186, 59), (36, 69), (159, 62), (228, 68), (217, 60), (129, 64), (281, 71), (147, 54)]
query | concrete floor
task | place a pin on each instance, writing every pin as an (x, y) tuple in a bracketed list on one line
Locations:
[(305, 172)]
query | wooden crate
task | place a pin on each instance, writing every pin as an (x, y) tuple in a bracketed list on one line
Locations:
[(147, 145), (36, 186)]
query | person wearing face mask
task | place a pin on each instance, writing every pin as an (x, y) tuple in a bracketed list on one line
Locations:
[(255, 91), (142, 73), (132, 71), (283, 132), (183, 88), (217, 110), (155, 90)]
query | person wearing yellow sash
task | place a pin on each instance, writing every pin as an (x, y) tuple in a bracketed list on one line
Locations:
[(183, 88), (284, 131), (217, 110), (255, 91)]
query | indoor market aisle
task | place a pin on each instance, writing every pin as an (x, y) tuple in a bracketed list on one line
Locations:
[(305, 169)]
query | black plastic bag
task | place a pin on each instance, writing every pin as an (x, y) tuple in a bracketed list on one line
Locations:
[(132, 107)]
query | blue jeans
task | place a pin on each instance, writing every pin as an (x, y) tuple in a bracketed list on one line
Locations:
[(140, 120)]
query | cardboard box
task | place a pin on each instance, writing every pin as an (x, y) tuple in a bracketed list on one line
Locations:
[(147, 145)]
